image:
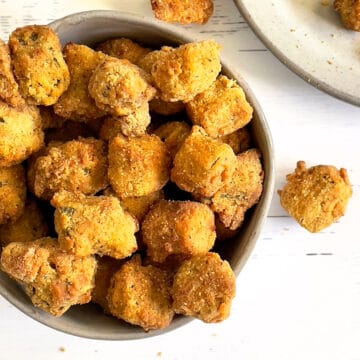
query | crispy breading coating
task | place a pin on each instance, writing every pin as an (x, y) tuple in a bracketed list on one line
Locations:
[(349, 11), (134, 124), (12, 193), (52, 278), (77, 166), (178, 227), (76, 103), (173, 133), (94, 225), (123, 48), (106, 268), (138, 166), (38, 64), (29, 226), (119, 87), (161, 107), (204, 287), (202, 165), (239, 140), (140, 295), (137, 206), (20, 133), (182, 73), (221, 109), (183, 11), (242, 192), (316, 197), (9, 89), (147, 62), (222, 232)]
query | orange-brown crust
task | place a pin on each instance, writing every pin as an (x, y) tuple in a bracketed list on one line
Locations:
[(239, 140), (204, 287), (178, 228), (9, 89), (316, 197), (140, 295), (349, 11), (38, 64), (53, 279), (183, 11), (94, 225)]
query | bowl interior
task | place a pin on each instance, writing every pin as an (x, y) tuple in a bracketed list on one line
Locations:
[(88, 320)]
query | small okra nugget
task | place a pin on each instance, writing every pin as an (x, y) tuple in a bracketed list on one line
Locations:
[(94, 225), (202, 165), (76, 103), (166, 108), (178, 227), (110, 128), (242, 192), (38, 64), (77, 166), (12, 193), (316, 197), (349, 11), (29, 226), (183, 11), (147, 62), (239, 140), (204, 287), (119, 87), (53, 279), (20, 133), (138, 166), (221, 109), (106, 268), (9, 89), (182, 73), (140, 295), (123, 48), (173, 133)]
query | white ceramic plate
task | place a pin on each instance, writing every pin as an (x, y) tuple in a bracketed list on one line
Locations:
[(309, 38)]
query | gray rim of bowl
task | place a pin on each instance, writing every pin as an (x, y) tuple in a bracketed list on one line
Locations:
[(298, 70), (184, 36)]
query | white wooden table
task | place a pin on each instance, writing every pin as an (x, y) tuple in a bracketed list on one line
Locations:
[(298, 297)]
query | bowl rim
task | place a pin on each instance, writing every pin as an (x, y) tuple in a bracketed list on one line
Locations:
[(179, 35)]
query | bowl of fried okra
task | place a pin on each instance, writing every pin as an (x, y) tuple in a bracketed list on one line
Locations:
[(136, 172)]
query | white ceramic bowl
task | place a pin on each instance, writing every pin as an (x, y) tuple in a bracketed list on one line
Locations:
[(88, 320)]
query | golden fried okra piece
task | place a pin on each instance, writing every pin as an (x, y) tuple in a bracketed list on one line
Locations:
[(38, 64), (147, 62), (20, 133), (173, 134), (137, 206), (77, 166), (316, 197), (178, 227), (138, 166), (134, 124), (182, 73), (202, 165), (204, 287), (29, 226), (239, 140), (161, 107), (119, 87), (106, 268), (94, 225), (183, 11), (76, 103), (242, 192), (9, 89), (221, 109), (349, 11), (52, 278), (123, 48), (12, 193), (140, 295)]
